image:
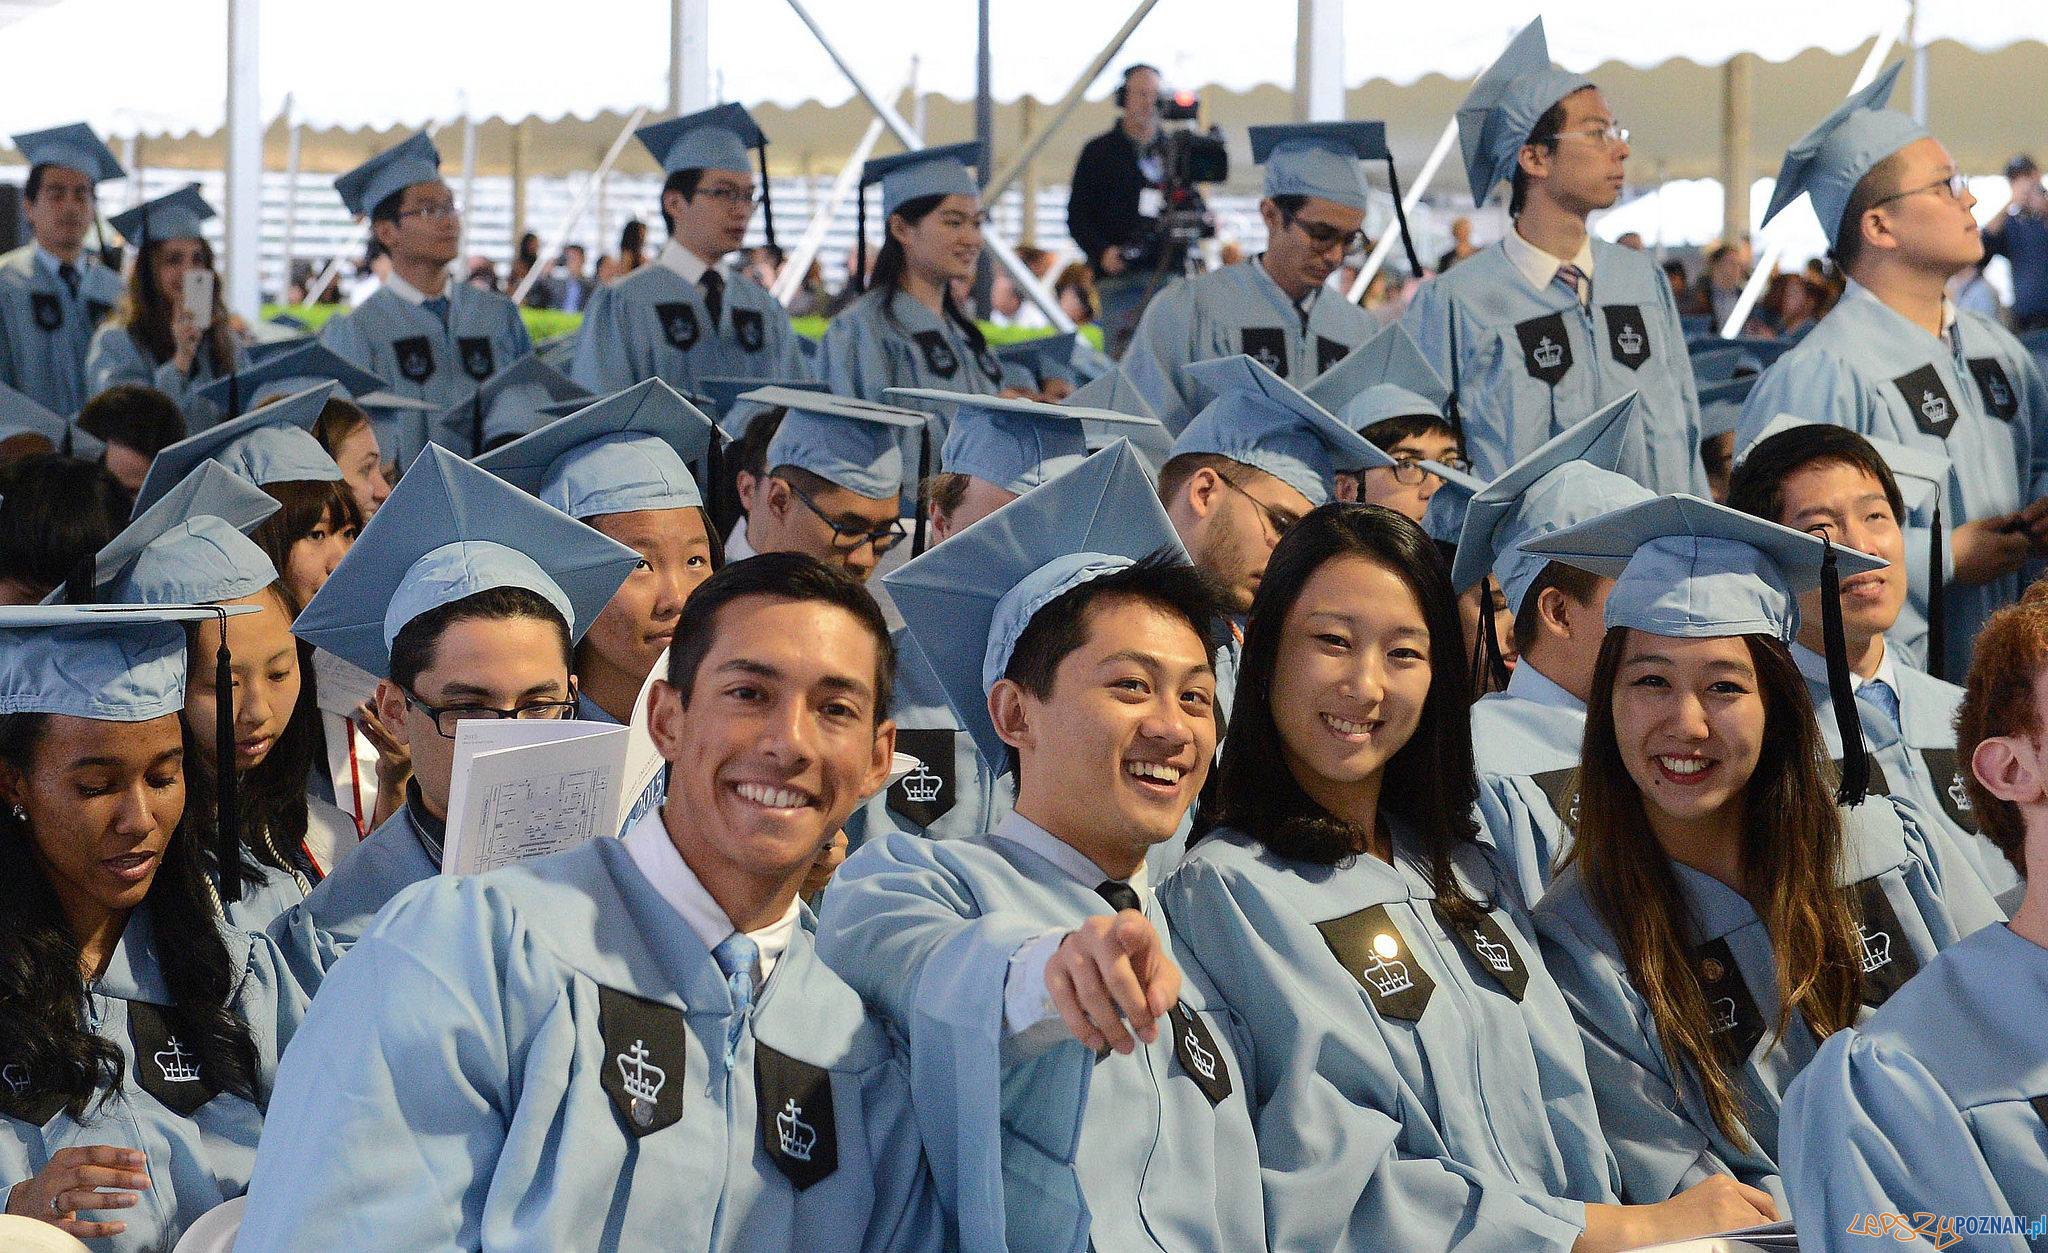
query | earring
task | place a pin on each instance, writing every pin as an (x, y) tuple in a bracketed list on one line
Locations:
[(20, 814)]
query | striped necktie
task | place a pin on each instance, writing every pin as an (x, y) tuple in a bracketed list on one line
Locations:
[(1573, 280)]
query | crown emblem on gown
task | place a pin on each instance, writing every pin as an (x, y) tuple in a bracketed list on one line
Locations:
[(176, 1064), (796, 1136)]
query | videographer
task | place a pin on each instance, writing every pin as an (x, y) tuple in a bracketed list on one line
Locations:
[(1113, 204)]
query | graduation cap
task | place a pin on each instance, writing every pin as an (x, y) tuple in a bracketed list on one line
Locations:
[(307, 363), (851, 443), (190, 547), (391, 171), (1828, 162), (1385, 377), (21, 414), (509, 404), (273, 444), (626, 452), (108, 663), (1687, 568), (75, 147), (1113, 390), (1260, 420), (179, 215), (712, 139), (1443, 519), (1721, 404), (719, 395), (1321, 159), (1504, 105), (1013, 443), (968, 600), (1069, 358), (447, 531), (914, 175)]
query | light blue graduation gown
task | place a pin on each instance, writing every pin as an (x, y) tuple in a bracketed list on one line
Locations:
[(1232, 310), (954, 794), (887, 339), (419, 357), (314, 933), (1938, 1103), (1918, 760), (504, 1056), (1918, 897), (274, 892), (1116, 1152), (45, 331), (654, 324), (1974, 396), (651, 796), (116, 357), (1525, 742), (199, 1157), (1526, 364)]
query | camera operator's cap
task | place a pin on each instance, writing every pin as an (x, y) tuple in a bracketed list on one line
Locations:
[(108, 663), (514, 403), (306, 365), (176, 216), (719, 396), (1569, 479), (1504, 105), (1721, 404), (1013, 443), (718, 138), (191, 547), (967, 601), (851, 443), (1260, 420), (388, 173), (1320, 159), (629, 451), (22, 414), (1922, 475), (1385, 377), (1833, 157), (1443, 518), (908, 176), (75, 147), (450, 530), (273, 444)]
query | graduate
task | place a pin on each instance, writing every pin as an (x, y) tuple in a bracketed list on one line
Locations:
[(519, 399), (631, 1044), (54, 292), (835, 478), (1275, 307), (141, 1033), (1073, 1089), (1415, 1077), (399, 422), (1387, 391), (1726, 905), (1113, 390), (55, 511), (1806, 474), (1525, 738), (152, 338), (1550, 323), (434, 339), (1933, 1104), (687, 316), (465, 598), (1895, 359)]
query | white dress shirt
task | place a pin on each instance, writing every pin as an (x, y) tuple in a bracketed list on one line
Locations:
[(1029, 1015), (655, 854), (1539, 267)]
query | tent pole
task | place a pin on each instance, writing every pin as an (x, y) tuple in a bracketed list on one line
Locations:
[(1378, 260), (1003, 177), (244, 161), (553, 246)]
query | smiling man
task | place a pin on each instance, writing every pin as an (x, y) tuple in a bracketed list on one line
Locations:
[(1074, 1088), (631, 1044)]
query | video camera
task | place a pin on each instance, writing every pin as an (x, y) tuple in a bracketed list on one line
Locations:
[(1190, 158)]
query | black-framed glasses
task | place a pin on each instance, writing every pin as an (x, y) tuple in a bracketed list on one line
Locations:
[(1323, 237), (1955, 184), (848, 538), (448, 717), (1408, 468), (732, 197), (1280, 522)]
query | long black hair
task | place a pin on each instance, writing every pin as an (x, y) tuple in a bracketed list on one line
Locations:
[(43, 993), (145, 312), (891, 263), (1432, 783)]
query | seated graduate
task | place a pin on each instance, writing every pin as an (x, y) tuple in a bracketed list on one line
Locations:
[(631, 1044), (141, 1034), (1387, 391), (441, 601), (1072, 1089), (135, 423), (835, 478), (1807, 474), (1525, 738), (55, 511), (1724, 909), (1415, 1077), (1934, 1103)]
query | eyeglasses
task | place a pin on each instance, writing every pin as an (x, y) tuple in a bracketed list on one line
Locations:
[(1955, 185), (1280, 522), (448, 717), (433, 212), (1410, 470), (848, 538), (1323, 237), (732, 197), (1611, 134)]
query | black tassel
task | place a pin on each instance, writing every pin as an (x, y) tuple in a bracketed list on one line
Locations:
[(1401, 216), (1855, 782), (1451, 413), (767, 200), (1937, 629), (234, 392), (78, 587), (227, 805), (476, 423), (924, 460), (860, 239)]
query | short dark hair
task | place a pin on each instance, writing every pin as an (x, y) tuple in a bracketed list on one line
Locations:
[(1174, 475), (134, 416), (1572, 581), (783, 576), (2021, 166), (34, 187), (1757, 486), (413, 648), (945, 490), (1388, 432), (809, 482), (304, 504), (1543, 135), (1880, 182), (56, 512), (387, 210), (684, 183), (1288, 205)]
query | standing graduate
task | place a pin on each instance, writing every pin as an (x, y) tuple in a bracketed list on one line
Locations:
[(465, 598), (1724, 908), (141, 1033), (436, 340), (1276, 307), (152, 338), (1897, 360), (631, 1044), (1072, 1089), (54, 292), (1934, 1104), (1550, 324), (1414, 1075), (1809, 474), (686, 317), (836, 478)]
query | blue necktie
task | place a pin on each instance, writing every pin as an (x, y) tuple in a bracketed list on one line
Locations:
[(438, 306), (736, 955), (1880, 693)]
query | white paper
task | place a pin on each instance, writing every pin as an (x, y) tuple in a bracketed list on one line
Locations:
[(525, 789), (643, 759), (342, 685), (1768, 1238), (358, 802), (1150, 201)]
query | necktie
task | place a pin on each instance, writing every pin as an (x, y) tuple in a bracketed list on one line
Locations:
[(438, 306), (1119, 894), (736, 955), (69, 273), (1573, 280), (1880, 693), (714, 294)]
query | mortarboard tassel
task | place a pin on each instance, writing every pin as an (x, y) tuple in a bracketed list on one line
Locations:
[(1937, 630), (767, 202), (1451, 413), (1401, 215), (1492, 674), (227, 805), (860, 239), (924, 460), (1855, 781)]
